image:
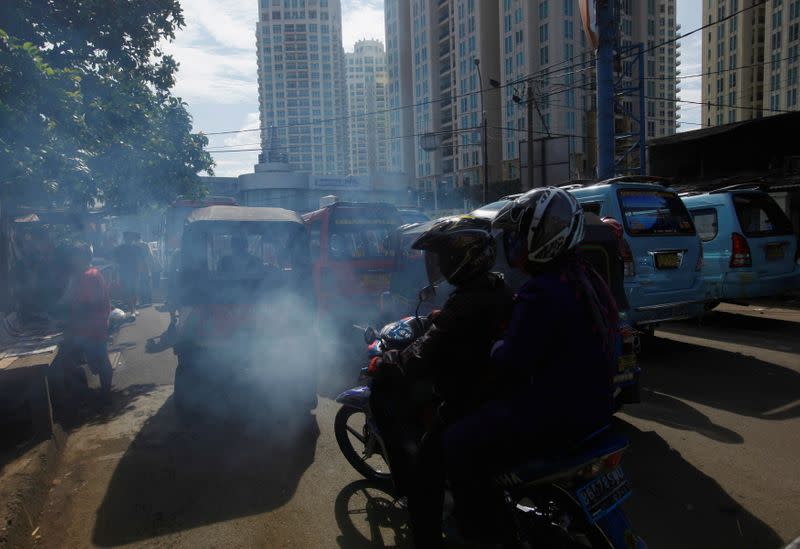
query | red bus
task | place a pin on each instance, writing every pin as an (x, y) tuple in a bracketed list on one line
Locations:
[(352, 257)]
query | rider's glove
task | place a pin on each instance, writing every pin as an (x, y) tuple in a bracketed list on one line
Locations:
[(386, 366)]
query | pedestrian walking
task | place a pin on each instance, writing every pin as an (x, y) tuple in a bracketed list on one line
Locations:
[(131, 263), (87, 304)]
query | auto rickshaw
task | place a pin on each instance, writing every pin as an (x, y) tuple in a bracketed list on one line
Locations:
[(245, 306)]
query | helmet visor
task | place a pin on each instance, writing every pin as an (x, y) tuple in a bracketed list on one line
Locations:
[(557, 219), (433, 267)]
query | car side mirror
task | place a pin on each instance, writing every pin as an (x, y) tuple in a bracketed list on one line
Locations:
[(370, 335)]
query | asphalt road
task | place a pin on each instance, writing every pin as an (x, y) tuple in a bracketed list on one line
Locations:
[(713, 455)]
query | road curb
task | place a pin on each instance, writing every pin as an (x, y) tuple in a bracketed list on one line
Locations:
[(24, 491)]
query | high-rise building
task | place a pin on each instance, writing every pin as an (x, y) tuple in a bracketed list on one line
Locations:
[(533, 54), (547, 65), (401, 87), (781, 56), (301, 77), (733, 82), (432, 46), (367, 108)]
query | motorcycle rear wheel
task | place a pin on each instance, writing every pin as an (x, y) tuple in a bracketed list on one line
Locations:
[(578, 534), (376, 468)]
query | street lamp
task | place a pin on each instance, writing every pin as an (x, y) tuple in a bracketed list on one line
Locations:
[(483, 138)]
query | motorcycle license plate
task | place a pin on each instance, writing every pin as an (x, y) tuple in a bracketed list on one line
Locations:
[(603, 494)]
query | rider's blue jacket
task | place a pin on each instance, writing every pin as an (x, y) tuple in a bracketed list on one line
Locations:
[(553, 355)]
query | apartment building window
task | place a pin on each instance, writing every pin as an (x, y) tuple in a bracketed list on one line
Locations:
[(569, 30), (543, 9), (791, 98), (732, 80), (732, 99), (732, 44), (543, 33), (568, 8), (544, 55)]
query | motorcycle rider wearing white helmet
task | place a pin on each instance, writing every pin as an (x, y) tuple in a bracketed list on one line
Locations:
[(557, 357)]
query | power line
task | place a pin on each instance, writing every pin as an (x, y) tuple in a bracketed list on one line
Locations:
[(543, 73)]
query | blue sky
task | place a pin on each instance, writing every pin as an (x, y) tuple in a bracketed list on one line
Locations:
[(217, 75)]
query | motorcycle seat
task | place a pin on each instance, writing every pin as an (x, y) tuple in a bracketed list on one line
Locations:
[(565, 463)]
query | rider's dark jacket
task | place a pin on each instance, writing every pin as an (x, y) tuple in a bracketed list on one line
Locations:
[(455, 350), (553, 353)]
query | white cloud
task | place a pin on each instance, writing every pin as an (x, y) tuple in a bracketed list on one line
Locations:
[(362, 19), (236, 163)]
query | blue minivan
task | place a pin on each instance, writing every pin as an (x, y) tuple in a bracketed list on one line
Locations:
[(749, 244), (661, 249)]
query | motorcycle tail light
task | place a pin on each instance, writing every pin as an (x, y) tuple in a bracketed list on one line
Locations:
[(612, 461), (740, 252)]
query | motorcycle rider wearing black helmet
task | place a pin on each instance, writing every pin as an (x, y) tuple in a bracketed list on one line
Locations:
[(454, 351), (558, 355)]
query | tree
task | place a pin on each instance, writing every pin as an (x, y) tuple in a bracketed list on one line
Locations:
[(86, 112)]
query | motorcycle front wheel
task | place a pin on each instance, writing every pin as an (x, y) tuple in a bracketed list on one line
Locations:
[(359, 445)]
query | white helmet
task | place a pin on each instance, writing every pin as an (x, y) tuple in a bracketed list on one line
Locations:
[(540, 226)]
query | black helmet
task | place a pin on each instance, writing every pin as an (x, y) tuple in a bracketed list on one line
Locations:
[(540, 227), (457, 249)]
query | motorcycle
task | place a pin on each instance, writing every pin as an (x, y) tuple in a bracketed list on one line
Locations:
[(570, 498)]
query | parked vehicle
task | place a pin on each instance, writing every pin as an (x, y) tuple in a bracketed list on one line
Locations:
[(412, 215), (175, 219), (351, 260), (570, 497), (243, 292), (749, 244), (662, 253)]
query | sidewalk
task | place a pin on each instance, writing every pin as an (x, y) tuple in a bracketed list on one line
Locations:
[(31, 442)]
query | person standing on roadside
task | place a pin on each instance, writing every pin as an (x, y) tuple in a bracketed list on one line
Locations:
[(87, 304), (131, 262)]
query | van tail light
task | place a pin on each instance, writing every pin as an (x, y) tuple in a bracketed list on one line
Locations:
[(699, 265), (624, 248), (627, 257), (740, 256)]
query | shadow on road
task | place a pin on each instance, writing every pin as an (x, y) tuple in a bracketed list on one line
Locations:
[(721, 379), (763, 332), (368, 517), (672, 412), (86, 408), (675, 505), (174, 477)]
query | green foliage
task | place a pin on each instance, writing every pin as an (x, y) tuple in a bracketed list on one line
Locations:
[(86, 112)]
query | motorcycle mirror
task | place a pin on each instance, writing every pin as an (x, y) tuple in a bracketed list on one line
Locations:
[(427, 293), (370, 335)]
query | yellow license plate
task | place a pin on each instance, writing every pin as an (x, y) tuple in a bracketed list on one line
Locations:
[(375, 281), (667, 261), (774, 251), (627, 362)]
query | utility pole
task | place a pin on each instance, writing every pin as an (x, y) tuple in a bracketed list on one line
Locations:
[(531, 103), (484, 139), (605, 88)]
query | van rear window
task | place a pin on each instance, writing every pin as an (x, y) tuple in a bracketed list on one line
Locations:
[(654, 212), (760, 215)]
